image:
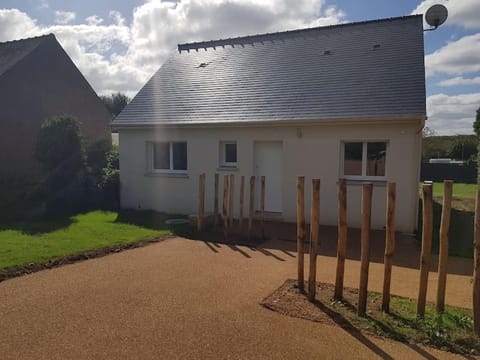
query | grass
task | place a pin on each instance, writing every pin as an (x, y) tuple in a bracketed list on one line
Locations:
[(451, 330), (461, 221), (459, 190), (42, 240)]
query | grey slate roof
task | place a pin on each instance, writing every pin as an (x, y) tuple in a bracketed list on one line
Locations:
[(11, 52), (372, 69)]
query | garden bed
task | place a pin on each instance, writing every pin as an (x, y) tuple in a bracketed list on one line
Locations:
[(451, 331)]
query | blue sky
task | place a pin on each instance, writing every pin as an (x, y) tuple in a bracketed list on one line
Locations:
[(119, 44)]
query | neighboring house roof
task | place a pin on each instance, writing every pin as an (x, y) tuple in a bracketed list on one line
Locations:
[(366, 70), (11, 52)]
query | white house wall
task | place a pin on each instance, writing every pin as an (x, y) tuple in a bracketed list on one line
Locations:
[(311, 151)]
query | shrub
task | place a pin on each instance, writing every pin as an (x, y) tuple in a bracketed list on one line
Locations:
[(61, 152), (15, 190), (110, 183), (96, 155), (59, 144)]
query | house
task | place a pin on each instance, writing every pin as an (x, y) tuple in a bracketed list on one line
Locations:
[(337, 101), (38, 80)]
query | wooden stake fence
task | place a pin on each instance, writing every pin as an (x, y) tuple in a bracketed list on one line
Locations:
[(314, 221), (215, 203), (367, 190), (242, 195), (262, 205), (443, 254), (426, 248), (251, 206), (365, 247), (225, 205), (389, 245), (476, 267), (300, 231), (342, 238), (231, 186), (201, 203)]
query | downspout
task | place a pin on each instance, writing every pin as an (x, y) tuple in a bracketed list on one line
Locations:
[(419, 135)]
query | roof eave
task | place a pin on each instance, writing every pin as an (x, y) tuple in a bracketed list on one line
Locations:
[(334, 121)]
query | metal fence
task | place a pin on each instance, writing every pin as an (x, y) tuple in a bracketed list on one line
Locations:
[(460, 173)]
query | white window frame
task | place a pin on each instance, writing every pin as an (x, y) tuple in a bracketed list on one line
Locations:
[(151, 161), (364, 160), (223, 154)]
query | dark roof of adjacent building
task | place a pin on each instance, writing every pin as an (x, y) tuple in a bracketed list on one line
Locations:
[(366, 70), (11, 52)]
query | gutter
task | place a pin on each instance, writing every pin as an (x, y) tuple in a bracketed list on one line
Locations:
[(254, 123)]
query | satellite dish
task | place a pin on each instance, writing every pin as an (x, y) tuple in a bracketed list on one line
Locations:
[(436, 15)]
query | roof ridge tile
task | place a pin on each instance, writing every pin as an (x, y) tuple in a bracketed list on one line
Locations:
[(26, 39), (240, 40)]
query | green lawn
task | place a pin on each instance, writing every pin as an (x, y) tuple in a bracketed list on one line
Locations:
[(38, 241), (459, 190), (461, 223)]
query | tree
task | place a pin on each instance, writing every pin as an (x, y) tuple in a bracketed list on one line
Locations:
[(476, 123), (61, 151), (115, 102), (464, 148), (427, 131), (77, 178), (476, 128), (110, 184), (59, 142)]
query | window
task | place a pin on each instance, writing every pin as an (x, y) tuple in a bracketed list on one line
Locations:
[(228, 154), (169, 157), (364, 159)]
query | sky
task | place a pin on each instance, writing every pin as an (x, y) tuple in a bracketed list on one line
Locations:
[(118, 45)]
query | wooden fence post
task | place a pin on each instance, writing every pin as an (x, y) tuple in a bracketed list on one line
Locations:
[(389, 245), (225, 205), (215, 202), (342, 238), (242, 195), (367, 190), (427, 228), (251, 206), (300, 231), (314, 221), (262, 205), (201, 202), (231, 185), (476, 267), (443, 253)]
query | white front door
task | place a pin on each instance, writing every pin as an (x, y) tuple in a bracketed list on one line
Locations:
[(268, 162)]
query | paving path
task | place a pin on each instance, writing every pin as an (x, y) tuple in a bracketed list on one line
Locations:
[(184, 299)]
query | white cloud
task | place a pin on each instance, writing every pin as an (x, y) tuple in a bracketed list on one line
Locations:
[(455, 58), (94, 20), (117, 17), (157, 27), (15, 24), (464, 13), (64, 17), (454, 114), (43, 4), (456, 81), (121, 57)]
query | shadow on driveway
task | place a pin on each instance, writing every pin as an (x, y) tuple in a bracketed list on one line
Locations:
[(282, 237)]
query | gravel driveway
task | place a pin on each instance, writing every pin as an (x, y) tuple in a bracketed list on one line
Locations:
[(189, 299)]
